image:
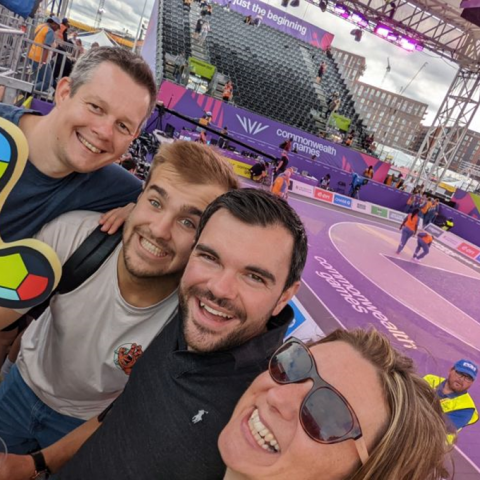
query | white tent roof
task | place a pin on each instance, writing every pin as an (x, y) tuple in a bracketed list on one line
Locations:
[(100, 37)]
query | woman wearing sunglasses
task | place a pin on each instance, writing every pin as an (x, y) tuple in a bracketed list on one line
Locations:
[(349, 407)]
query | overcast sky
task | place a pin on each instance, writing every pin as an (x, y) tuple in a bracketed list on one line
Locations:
[(429, 87)]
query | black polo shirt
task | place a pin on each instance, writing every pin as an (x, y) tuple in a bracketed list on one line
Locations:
[(166, 423)]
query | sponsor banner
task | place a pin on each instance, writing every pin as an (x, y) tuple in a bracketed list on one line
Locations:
[(451, 240), (280, 20), (301, 188), (359, 206), (240, 168), (396, 216), (434, 231), (323, 195), (468, 250), (342, 201), (379, 211)]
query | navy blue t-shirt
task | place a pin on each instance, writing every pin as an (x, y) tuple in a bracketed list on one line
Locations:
[(37, 199)]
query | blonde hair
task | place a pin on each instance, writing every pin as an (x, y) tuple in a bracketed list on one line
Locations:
[(413, 445), (196, 164)]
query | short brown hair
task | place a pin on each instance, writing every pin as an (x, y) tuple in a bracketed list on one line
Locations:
[(132, 64), (196, 164)]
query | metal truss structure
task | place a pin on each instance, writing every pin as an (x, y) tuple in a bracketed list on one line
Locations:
[(450, 126), (439, 27)]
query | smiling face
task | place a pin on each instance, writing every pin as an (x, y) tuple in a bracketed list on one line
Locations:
[(234, 282), (268, 413), (95, 126), (458, 382), (159, 233)]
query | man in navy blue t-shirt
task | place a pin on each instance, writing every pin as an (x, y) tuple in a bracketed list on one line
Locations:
[(98, 111)]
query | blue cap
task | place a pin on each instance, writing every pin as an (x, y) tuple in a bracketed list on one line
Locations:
[(467, 367)]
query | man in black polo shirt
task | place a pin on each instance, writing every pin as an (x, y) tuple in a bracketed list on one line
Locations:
[(181, 393)]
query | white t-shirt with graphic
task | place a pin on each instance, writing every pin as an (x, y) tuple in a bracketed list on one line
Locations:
[(77, 356)]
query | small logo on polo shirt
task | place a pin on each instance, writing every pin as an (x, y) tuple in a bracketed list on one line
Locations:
[(199, 416)]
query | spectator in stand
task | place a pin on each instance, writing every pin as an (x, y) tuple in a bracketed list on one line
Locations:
[(227, 5), (286, 146), (328, 52), (349, 138), (413, 201), (388, 181), (204, 32), (227, 91), (368, 142), (207, 10), (39, 56), (321, 71), (247, 20), (258, 171), (448, 225), (325, 182), (408, 228), (433, 212), (179, 66), (257, 21), (281, 184), (368, 173), (187, 5), (62, 32), (223, 142), (424, 207), (334, 104), (424, 240), (198, 28), (281, 164), (400, 182)]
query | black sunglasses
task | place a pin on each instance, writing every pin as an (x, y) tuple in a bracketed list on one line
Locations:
[(325, 414)]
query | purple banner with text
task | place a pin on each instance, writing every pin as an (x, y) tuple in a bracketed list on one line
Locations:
[(286, 23), (267, 134)]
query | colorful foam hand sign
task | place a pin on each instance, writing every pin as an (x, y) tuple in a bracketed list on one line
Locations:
[(29, 269)]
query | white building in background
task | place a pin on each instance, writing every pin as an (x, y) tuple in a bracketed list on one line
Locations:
[(393, 118), (351, 66)]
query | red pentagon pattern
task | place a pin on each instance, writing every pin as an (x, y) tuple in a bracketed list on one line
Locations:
[(32, 287)]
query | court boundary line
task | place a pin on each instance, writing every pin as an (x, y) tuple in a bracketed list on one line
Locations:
[(390, 295), (325, 306), (468, 459), (443, 269)]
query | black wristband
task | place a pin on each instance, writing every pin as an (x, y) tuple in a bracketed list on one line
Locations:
[(40, 464)]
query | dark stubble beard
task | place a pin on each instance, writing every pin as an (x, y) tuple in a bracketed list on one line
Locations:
[(204, 340)]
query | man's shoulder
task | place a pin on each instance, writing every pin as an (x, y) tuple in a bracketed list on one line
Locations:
[(13, 114), (67, 232)]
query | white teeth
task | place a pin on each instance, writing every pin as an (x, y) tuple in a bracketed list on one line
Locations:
[(91, 147), (262, 434), (215, 312), (150, 247)]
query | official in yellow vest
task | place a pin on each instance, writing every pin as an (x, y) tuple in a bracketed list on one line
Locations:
[(456, 402), (44, 35)]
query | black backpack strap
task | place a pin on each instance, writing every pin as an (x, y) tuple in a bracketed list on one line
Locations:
[(82, 264)]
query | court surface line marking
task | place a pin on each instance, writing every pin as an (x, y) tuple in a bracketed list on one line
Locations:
[(391, 296), (428, 288), (325, 306), (437, 268), (464, 455)]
